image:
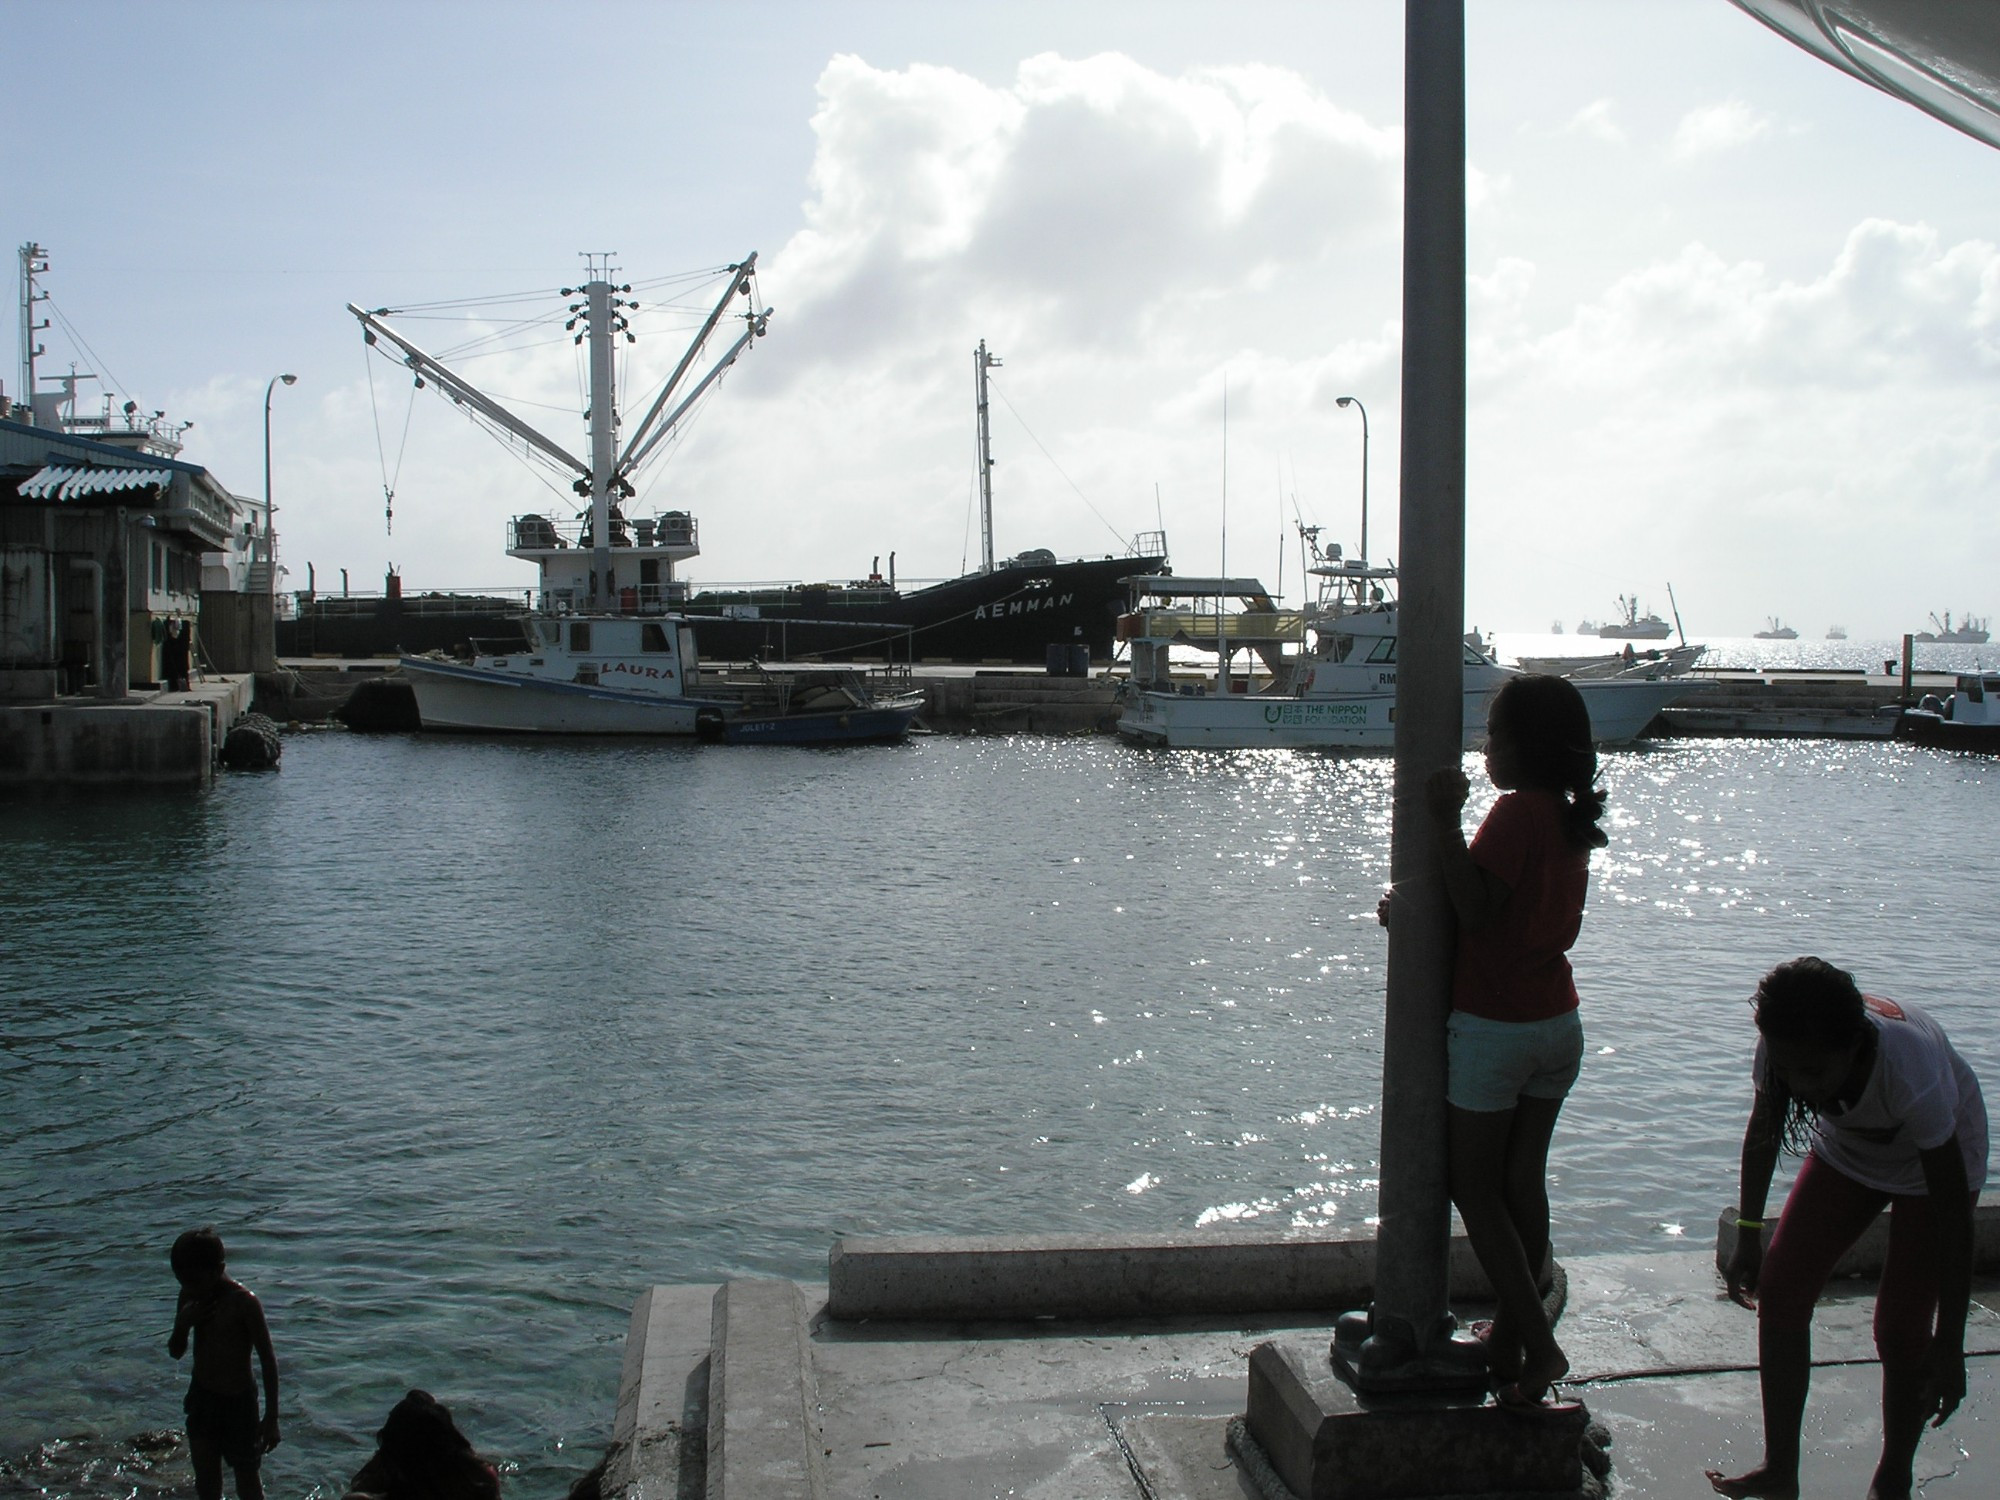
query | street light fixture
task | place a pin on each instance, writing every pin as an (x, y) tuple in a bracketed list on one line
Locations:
[(1355, 402), (270, 538)]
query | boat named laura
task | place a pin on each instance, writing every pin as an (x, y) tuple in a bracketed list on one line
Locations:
[(604, 651)]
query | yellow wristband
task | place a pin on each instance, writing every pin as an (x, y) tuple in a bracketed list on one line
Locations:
[(1749, 1223)]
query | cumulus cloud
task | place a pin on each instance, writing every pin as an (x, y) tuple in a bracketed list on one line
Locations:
[(1716, 128), (1707, 419)]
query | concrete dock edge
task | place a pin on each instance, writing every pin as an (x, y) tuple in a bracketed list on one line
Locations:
[(763, 1422), (1010, 1277)]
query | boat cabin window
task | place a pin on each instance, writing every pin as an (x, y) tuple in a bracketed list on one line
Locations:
[(1974, 691), (689, 661), (1475, 658), (579, 635), (653, 637), (1383, 651)]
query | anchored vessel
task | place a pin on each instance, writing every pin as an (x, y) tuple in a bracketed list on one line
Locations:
[(1970, 631), (1631, 625), (1775, 631), (603, 651), (1338, 693)]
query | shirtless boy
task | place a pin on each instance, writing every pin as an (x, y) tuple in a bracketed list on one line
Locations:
[(227, 1322)]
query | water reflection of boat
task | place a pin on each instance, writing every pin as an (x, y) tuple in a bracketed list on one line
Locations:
[(1970, 720), (1971, 631), (1338, 693), (603, 651), (1775, 631)]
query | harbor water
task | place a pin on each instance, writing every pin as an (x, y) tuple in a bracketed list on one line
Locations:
[(461, 1043)]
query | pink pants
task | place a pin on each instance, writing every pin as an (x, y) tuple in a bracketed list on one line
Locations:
[(1825, 1214)]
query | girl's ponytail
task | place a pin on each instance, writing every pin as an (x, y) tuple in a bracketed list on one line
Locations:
[(1550, 725)]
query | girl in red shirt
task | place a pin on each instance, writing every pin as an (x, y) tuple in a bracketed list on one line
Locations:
[(1513, 1038)]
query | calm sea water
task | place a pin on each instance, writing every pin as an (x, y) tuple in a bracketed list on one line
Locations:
[(461, 1044)]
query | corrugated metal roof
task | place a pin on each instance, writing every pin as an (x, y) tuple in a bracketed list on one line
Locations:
[(68, 482)]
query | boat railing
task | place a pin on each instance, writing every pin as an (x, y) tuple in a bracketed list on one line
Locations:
[(1148, 544), (1196, 626), (673, 528), (632, 599)]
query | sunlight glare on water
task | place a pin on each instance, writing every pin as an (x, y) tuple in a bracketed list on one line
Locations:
[(462, 1044)]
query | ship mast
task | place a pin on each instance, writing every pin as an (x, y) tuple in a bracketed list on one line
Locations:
[(599, 309), (33, 259), (981, 363)]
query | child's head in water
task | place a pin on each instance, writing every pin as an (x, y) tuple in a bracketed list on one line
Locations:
[(1538, 735), (1815, 1029)]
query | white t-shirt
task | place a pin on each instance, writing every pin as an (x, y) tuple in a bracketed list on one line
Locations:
[(1918, 1094)]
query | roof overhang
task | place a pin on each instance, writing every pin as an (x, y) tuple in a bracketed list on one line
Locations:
[(67, 482)]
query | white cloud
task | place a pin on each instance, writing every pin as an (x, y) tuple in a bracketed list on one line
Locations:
[(1715, 128), (1595, 121), (1706, 422)]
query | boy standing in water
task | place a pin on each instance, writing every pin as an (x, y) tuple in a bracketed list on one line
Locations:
[(227, 1322)]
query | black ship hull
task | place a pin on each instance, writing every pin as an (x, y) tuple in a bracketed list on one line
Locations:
[(1013, 614)]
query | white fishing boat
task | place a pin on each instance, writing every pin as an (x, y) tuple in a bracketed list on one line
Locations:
[(1329, 671), (1674, 661), (1776, 630), (1633, 626), (605, 651)]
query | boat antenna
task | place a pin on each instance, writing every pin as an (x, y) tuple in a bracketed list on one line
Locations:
[(1221, 654), (981, 363), (1677, 614)]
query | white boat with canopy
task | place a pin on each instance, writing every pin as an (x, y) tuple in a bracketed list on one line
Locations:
[(1338, 692)]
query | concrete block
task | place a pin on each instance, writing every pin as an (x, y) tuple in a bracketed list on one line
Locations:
[(659, 1436), (763, 1409), (1328, 1444), (1010, 1277), (1867, 1253)]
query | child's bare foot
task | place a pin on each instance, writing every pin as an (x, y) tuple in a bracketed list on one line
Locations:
[(1763, 1482)]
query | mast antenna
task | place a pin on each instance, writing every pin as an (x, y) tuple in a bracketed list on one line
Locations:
[(981, 363)]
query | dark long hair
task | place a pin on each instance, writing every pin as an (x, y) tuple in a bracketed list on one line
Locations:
[(1807, 1001), (428, 1456), (1546, 719)]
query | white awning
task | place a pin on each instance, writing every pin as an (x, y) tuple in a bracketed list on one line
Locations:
[(70, 482)]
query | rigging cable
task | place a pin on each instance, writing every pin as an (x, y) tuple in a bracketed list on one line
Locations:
[(994, 386), (381, 452)]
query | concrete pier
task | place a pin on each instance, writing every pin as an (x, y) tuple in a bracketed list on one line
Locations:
[(982, 1395), (154, 739)]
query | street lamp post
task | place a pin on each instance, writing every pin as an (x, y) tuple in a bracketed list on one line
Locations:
[(270, 537), (1355, 402)]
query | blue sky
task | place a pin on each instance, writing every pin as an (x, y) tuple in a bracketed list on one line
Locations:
[(1735, 317)]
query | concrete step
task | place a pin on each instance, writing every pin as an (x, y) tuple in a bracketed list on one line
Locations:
[(763, 1410)]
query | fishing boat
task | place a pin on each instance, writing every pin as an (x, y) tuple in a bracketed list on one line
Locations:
[(1971, 631), (603, 651), (1836, 632), (1774, 630), (1969, 720), (1673, 661), (1631, 625), (1329, 670)]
